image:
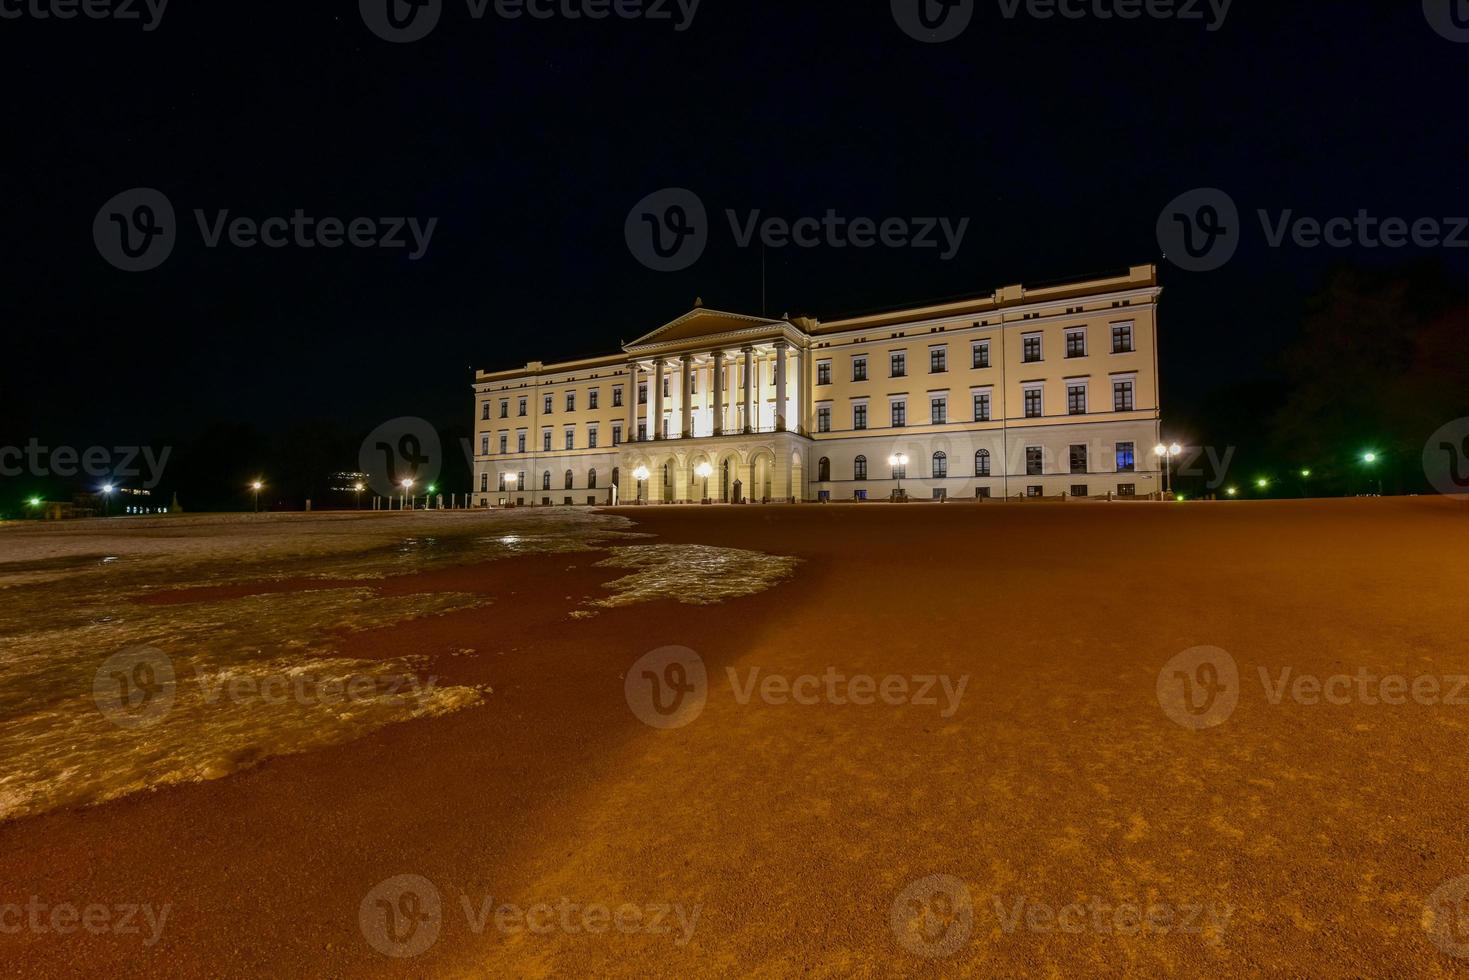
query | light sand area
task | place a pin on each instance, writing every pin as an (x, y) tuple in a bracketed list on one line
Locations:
[(1310, 838)]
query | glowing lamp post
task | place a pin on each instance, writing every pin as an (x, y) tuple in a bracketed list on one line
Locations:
[(357, 489), (1370, 459), (1167, 453), (899, 463), (107, 489), (407, 486), (704, 470), (255, 488), (640, 474)]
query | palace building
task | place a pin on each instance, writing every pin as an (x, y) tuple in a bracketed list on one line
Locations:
[(1042, 391)]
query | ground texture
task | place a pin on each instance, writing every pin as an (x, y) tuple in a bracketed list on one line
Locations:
[(1068, 816)]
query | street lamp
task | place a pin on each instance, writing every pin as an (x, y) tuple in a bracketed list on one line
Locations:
[(407, 486), (899, 463), (640, 474), (357, 489), (107, 489), (704, 469), (256, 487), (1232, 491), (1370, 458), (1167, 452)]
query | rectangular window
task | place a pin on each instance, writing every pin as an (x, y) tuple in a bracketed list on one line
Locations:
[(1034, 491), (938, 411), (591, 437), (643, 393), (1032, 403), (522, 408), (1034, 461), (1126, 457), (484, 412), (484, 483), (900, 470), (616, 397), (938, 360), (1122, 338), (665, 387), (546, 407), (1078, 459), (570, 438), (1078, 489), (520, 442), (900, 414), (981, 354), (571, 401), (1076, 343), (859, 416), (823, 372), (693, 382), (546, 441), (642, 432), (502, 482), (592, 397), (1122, 396), (520, 481), (616, 434), (982, 408), (484, 445), (503, 440), (898, 364), (859, 369), (823, 419), (1032, 349), (504, 408), (1076, 399), (1127, 489)]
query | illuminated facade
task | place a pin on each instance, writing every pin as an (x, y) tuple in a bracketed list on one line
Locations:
[(1029, 391)]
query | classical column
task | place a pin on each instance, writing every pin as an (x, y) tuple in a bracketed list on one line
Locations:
[(685, 399), (655, 430), (749, 353), (632, 403), (800, 413), (780, 386), (718, 380)]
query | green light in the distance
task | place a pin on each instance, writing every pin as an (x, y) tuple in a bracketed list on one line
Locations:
[(1232, 491), (35, 501), (1306, 474), (1369, 457), (1262, 483)]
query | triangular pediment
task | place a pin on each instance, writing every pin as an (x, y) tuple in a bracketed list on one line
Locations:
[(700, 322)]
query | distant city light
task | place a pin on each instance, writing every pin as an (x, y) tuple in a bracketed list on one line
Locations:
[(1262, 483), (35, 501), (1369, 457), (1306, 473), (1232, 491), (107, 488)]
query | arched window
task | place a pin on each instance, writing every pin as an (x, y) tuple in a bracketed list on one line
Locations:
[(616, 475), (591, 479), (568, 479), (823, 470), (546, 480), (940, 465), (859, 468), (667, 477), (982, 463)]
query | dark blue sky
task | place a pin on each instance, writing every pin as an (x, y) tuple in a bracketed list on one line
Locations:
[(1059, 140)]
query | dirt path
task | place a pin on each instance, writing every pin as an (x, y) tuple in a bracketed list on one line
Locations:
[(1060, 800)]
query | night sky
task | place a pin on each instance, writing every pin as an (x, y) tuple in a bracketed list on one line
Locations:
[(530, 141)]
